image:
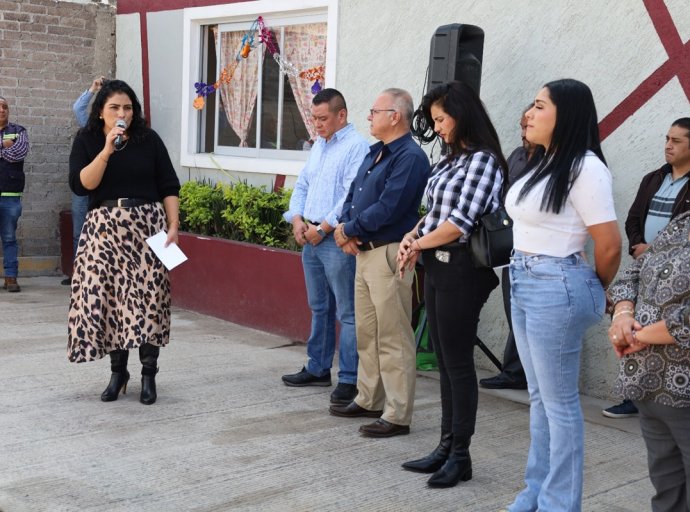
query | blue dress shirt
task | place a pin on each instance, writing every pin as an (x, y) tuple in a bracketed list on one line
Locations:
[(81, 108), (383, 202), (325, 180)]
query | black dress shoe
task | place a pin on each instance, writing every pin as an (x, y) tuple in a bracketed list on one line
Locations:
[(435, 460), (383, 428), (352, 410), (304, 378), (457, 467), (502, 381)]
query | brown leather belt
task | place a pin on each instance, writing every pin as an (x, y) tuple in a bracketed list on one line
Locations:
[(374, 244)]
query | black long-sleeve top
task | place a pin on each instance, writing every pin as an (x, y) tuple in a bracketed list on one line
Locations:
[(141, 169)]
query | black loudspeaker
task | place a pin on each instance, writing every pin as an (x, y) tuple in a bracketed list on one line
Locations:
[(456, 54)]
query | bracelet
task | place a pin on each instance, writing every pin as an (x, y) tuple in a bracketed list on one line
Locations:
[(341, 227), (419, 247), (175, 222), (622, 312)]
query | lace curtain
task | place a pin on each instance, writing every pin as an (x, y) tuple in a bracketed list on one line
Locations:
[(305, 47), (239, 95)]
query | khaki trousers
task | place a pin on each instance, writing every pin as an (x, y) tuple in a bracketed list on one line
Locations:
[(386, 374)]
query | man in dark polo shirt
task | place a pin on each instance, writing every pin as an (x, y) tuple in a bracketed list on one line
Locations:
[(14, 146), (382, 205), (663, 195)]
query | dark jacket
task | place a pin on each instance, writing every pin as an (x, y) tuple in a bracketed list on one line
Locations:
[(637, 215)]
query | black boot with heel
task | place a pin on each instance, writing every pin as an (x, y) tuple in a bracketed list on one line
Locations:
[(148, 355), (458, 466), (435, 459), (119, 377)]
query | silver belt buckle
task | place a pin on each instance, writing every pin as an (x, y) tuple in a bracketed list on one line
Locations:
[(442, 256), (120, 201)]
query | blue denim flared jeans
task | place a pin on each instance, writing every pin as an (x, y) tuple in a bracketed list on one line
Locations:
[(329, 274), (554, 301), (10, 211)]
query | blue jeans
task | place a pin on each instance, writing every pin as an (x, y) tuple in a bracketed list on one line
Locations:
[(10, 211), (80, 205), (329, 274), (554, 301)]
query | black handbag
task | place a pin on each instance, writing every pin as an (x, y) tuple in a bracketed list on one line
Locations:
[(491, 240)]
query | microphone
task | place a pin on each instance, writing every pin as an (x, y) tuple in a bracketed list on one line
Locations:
[(118, 140)]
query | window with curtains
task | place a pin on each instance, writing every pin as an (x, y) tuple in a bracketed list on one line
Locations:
[(261, 111)]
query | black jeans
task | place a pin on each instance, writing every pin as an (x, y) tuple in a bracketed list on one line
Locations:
[(512, 367), (455, 293)]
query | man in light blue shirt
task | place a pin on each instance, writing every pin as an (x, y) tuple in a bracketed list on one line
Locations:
[(80, 204), (329, 273)]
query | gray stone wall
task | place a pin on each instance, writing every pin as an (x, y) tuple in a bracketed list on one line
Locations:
[(49, 53)]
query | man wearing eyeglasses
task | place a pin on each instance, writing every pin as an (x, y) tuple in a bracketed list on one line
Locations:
[(381, 206)]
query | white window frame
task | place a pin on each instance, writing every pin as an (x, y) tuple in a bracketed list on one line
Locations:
[(194, 20)]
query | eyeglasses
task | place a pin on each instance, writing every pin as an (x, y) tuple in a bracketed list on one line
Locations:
[(373, 111)]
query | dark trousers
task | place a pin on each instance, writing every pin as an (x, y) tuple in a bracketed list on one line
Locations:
[(512, 367), (454, 294), (666, 432)]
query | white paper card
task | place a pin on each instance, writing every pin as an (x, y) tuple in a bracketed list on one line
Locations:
[(171, 256)]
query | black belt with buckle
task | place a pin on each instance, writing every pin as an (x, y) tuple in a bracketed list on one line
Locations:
[(125, 202), (374, 244)]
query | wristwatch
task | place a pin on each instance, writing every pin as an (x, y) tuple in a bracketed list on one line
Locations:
[(321, 232)]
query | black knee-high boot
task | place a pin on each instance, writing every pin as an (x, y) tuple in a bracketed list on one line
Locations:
[(457, 467), (435, 459), (148, 355), (119, 377)]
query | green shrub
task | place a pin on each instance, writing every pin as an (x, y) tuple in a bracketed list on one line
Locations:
[(238, 212)]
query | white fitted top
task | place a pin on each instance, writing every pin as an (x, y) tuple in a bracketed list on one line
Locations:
[(590, 202)]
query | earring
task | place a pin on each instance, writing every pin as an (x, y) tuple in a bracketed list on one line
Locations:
[(100, 117)]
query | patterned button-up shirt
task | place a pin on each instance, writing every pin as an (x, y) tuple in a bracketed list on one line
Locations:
[(658, 282)]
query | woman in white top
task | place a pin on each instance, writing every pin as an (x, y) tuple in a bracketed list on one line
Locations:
[(558, 202)]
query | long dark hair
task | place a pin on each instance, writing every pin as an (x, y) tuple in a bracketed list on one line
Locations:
[(473, 128), (137, 128), (576, 131)]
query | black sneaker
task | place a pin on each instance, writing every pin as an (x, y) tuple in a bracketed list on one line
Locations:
[(343, 393), (625, 409), (304, 378)]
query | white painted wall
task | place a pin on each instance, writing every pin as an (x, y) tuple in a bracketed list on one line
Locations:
[(165, 89), (612, 46), (128, 53)]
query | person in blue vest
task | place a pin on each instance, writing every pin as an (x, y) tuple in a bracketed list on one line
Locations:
[(13, 151)]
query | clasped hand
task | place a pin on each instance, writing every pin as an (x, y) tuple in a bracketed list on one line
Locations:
[(407, 256), (623, 335)]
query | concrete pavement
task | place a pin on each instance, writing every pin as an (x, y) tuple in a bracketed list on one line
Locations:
[(227, 435)]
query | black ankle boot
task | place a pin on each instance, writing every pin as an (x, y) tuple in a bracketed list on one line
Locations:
[(435, 459), (119, 377), (457, 467), (148, 354)]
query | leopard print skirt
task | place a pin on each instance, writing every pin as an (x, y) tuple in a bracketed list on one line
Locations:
[(120, 289)]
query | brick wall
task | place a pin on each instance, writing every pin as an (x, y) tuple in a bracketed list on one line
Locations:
[(49, 53)]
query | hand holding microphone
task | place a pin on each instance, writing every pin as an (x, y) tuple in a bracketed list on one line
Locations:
[(119, 139)]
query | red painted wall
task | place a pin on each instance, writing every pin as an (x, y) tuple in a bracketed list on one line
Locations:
[(243, 283), (130, 6)]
